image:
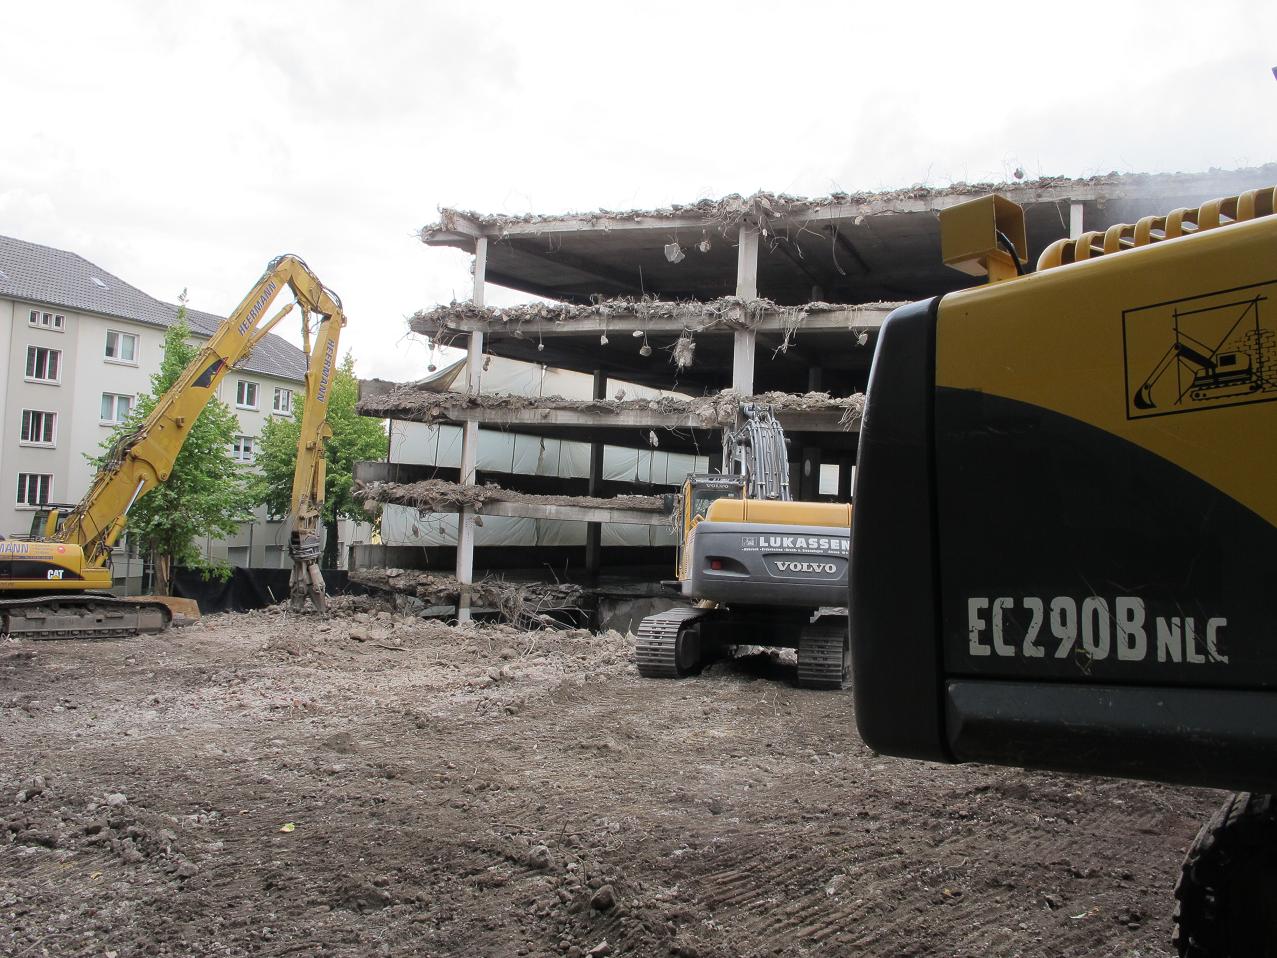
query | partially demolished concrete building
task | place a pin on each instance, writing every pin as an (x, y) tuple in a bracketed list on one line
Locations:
[(767, 296)]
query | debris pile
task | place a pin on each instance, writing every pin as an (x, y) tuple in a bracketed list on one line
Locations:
[(523, 604)]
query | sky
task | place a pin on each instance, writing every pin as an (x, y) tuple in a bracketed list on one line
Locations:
[(184, 145)]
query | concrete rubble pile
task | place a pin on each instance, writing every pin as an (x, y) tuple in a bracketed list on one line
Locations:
[(523, 604)]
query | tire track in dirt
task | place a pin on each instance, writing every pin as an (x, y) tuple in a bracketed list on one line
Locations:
[(731, 815)]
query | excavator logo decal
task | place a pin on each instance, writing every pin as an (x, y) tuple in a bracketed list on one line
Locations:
[(256, 310), (321, 394), (205, 379), (1202, 352)]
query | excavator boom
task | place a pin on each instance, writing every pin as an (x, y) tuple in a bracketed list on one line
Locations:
[(74, 556), (305, 541)]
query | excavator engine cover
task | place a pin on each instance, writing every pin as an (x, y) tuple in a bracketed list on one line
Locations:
[(1064, 554), (748, 564)]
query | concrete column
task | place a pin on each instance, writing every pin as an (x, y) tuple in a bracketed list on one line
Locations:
[(470, 442), (809, 480), (844, 478), (1075, 219), (746, 288), (594, 530), (809, 483)]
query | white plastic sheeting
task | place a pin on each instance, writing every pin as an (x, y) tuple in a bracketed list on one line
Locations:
[(440, 445), (405, 526)]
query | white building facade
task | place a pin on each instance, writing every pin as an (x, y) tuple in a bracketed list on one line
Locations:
[(81, 348)]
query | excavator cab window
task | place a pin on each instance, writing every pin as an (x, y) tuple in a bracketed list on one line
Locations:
[(47, 519), (698, 493), (703, 497)]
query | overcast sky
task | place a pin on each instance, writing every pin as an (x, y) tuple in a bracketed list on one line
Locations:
[(185, 144)]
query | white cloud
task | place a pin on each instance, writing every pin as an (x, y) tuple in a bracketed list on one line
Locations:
[(184, 145)]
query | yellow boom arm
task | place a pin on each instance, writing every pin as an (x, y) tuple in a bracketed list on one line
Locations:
[(306, 543), (145, 457)]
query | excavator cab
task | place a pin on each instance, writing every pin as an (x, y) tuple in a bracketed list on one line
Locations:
[(700, 491), (48, 518)]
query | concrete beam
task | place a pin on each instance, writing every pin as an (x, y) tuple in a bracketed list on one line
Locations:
[(843, 318), (820, 211), (592, 514), (796, 420)]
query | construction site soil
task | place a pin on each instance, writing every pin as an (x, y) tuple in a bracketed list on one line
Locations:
[(374, 784)]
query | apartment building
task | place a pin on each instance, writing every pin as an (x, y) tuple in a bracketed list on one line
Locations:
[(81, 347)]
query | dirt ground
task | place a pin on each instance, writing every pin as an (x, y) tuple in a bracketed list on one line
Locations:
[(264, 784)]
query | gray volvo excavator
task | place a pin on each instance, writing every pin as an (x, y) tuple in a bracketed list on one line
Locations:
[(760, 568)]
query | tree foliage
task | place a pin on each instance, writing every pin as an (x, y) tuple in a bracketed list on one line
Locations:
[(355, 438), (207, 492)]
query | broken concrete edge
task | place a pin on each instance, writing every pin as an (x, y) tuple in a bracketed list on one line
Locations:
[(443, 323), (731, 210), (434, 495), (717, 411)]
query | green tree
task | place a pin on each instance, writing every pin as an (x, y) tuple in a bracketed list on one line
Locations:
[(355, 438), (207, 493)]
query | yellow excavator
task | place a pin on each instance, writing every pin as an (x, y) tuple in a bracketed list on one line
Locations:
[(761, 568), (1061, 561), (54, 584)]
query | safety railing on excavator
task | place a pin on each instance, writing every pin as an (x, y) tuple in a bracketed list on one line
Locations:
[(1153, 229)]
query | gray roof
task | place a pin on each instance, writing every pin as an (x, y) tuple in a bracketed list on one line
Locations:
[(54, 277)]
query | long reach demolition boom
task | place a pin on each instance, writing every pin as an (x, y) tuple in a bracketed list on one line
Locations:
[(49, 585)]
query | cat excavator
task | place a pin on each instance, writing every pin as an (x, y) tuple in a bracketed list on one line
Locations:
[(760, 568), (1061, 561), (53, 585)]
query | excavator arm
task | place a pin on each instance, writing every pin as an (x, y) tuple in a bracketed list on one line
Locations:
[(305, 542), (144, 458), (756, 450), (1178, 351)]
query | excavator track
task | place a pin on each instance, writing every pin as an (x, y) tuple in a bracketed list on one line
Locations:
[(666, 649), (1228, 883), (822, 657), (84, 616)]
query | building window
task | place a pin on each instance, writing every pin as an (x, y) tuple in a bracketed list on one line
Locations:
[(116, 408), (243, 450), (34, 488), (43, 365), (283, 401), (121, 347), (38, 428), (43, 320), (246, 394)]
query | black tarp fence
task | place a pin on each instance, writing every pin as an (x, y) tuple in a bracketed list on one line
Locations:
[(251, 588)]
